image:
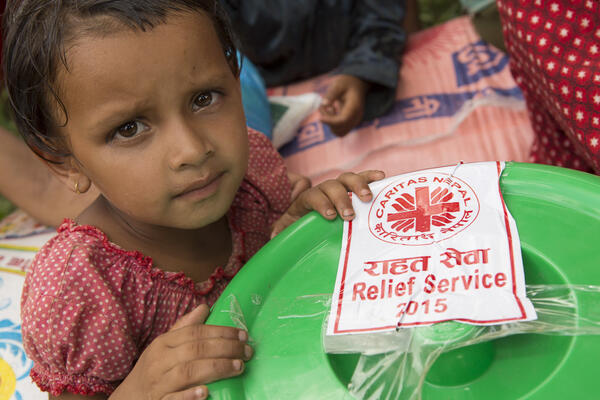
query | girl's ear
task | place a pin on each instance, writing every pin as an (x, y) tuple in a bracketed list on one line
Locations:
[(69, 172)]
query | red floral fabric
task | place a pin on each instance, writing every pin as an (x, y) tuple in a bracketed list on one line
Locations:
[(554, 47), (90, 308)]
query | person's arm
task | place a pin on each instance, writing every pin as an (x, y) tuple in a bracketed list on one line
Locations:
[(31, 186), (372, 56)]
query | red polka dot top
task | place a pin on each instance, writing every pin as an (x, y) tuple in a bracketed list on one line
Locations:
[(90, 308)]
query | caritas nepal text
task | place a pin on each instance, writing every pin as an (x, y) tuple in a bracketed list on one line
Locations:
[(406, 276)]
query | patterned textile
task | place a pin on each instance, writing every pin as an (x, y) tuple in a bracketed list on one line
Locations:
[(457, 100), (554, 46)]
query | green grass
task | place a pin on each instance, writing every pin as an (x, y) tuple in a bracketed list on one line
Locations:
[(6, 207), (434, 12)]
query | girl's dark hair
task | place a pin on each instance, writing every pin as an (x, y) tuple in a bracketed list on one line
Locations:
[(35, 36)]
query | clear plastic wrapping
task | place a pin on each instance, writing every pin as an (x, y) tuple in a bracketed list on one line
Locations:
[(394, 364)]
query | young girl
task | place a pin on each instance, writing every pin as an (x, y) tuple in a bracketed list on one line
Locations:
[(141, 100)]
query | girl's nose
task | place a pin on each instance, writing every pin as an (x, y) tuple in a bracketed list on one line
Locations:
[(187, 146)]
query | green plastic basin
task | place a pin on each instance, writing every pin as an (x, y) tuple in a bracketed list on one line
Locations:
[(281, 293)]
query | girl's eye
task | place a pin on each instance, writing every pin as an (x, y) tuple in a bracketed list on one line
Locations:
[(204, 100), (130, 129)]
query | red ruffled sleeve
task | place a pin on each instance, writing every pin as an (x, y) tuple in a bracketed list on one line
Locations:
[(74, 329)]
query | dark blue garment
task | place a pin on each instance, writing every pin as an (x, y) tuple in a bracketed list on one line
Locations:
[(290, 40)]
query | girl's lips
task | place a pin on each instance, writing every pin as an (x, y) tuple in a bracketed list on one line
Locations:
[(201, 189)]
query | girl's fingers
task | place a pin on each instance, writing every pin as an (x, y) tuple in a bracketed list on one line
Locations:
[(330, 198), (299, 207), (319, 200), (299, 184), (197, 354), (283, 222), (197, 316), (337, 193), (356, 184), (196, 372), (312, 199), (211, 348), (359, 183), (199, 332), (337, 190), (195, 393), (372, 175)]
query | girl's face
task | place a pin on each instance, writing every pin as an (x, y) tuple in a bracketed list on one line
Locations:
[(155, 121)]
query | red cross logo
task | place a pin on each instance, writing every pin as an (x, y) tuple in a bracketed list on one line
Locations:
[(422, 209)]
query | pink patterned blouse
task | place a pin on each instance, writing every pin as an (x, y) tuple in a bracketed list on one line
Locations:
[(90, 308)]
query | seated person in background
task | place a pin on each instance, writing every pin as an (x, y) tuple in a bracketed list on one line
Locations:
[(360, 40)]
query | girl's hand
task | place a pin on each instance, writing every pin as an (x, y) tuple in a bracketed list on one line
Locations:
[(330, 198), (299, 183), (178, 363)]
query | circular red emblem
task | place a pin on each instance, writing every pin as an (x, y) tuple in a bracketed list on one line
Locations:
[(422, 208)]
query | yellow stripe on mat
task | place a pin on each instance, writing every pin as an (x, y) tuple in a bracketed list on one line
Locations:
[(12, 271), (18, 248)]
